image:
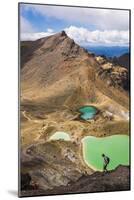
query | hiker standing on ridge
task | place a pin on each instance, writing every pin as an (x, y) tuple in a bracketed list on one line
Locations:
[(105, 162)]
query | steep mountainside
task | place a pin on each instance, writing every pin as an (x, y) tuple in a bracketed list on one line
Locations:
[(56, 71), (57, 77), (115, 75), (116, 180), (52, 163)]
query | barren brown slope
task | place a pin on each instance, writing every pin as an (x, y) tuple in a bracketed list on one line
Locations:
[(53, 163), (57, 77), (115, 180), (56, 57), (56, 69)]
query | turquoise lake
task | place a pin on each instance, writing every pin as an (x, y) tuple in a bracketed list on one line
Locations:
[(87, 112), (116, 147)]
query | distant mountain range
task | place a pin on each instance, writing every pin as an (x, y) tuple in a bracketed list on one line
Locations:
[(108, 51), (123, 60)]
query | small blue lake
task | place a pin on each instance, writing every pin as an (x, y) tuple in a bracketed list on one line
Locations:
[(87, 112)]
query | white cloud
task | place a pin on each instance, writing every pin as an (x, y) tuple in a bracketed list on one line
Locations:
[(34, 36), (25, 26), (85, 37), (104, 19), (107, 37), (49, 30), (28, 31)]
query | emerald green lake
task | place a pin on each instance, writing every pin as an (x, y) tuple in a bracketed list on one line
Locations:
[(59, 135), (87, 112), (116, 147)]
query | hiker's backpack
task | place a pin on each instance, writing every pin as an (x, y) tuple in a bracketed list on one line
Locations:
[(108, 159)]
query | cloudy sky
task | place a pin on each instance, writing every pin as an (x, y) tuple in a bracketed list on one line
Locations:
[(87, 26)]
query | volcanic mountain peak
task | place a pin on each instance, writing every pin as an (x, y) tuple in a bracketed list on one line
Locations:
[(54, 40), (60, 70), (59, 44), (59, 34), (56, 54)]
